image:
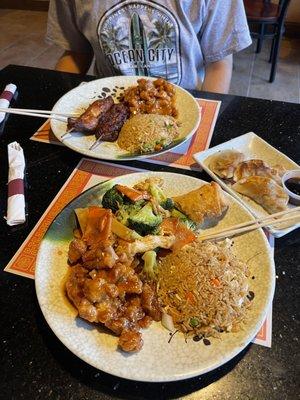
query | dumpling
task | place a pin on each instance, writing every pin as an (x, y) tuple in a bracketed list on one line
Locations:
[(257, 168), (263, 191), (280, 170), (224, 163), (203, 205)]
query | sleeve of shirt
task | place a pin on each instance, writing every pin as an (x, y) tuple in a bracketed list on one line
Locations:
[(62, 28), (224, 30)]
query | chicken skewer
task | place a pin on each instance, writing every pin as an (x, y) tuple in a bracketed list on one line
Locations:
[(88, 120), (110, 124)]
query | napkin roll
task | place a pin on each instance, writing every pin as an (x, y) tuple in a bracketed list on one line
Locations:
[(6, 97), (16, 199)]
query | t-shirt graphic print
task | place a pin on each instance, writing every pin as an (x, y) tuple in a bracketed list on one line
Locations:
[(141, 39)]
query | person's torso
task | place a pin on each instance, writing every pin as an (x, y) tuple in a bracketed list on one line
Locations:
[(148, 38)]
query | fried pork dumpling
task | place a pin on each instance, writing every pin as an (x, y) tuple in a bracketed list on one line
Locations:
[(224, 163), (257, 168), (203, 205), (263, 191)]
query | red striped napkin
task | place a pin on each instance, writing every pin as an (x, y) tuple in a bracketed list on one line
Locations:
[(6, 97), (16, 199)]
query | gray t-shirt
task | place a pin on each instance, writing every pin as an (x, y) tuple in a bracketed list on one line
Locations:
[(173, 39)]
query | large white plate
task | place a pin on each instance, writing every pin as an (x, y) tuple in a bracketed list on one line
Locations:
[(76, 100), (158, 360), (253, 147)]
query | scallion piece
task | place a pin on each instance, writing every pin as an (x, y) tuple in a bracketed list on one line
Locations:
[(194, 322)]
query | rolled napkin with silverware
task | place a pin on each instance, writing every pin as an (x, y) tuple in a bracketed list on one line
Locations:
[(16, 199), (6, 97)]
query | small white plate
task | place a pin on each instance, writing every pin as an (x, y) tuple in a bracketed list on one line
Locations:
[(79, 98), (253, 147)]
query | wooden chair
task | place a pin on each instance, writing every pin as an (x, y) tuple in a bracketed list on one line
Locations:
[(269, 18)]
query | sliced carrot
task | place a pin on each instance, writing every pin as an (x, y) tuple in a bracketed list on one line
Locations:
[(133, 194), (182, 234), (98, 226), (215, 282), (190, 297), (169, 225)]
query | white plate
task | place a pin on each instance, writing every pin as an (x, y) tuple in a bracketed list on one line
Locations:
[(76, 100), (253, 147), (157, 361)]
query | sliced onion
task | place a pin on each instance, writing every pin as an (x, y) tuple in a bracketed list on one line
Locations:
[(167, 322)]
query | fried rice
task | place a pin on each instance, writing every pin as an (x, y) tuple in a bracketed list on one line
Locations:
[(146, 133), (204, 288)]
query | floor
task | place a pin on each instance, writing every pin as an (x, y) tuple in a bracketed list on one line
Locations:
[(23, 44), (251, 72)]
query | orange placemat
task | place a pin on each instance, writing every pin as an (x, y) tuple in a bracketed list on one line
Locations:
[(87, 174), (181, 156)]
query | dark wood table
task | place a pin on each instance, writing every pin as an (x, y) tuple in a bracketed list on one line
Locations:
[(35, 364)]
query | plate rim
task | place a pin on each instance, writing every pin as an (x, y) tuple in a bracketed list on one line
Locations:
[(91, 153), (174, 377)]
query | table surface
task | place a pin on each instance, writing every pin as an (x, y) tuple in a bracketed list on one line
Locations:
[(35, 364)]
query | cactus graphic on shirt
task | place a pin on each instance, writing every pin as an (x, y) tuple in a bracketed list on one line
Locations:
[(141, 38), (139, 43)]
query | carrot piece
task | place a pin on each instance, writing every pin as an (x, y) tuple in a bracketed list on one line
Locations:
[(133, 194), (182, 234), (190, 297), (98, 226), (169, 225), (215, 282)]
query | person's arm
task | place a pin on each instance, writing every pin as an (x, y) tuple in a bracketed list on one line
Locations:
[(218, 75), (63, 30), (72, 61), (224, 32)]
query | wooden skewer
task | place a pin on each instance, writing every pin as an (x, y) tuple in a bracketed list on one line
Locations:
[(95, 144), (64, 136), (32, 111), (251, 225)]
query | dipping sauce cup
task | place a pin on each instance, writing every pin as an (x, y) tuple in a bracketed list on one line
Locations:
[(291, 184)]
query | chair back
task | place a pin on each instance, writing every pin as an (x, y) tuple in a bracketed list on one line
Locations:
[(283, 7)]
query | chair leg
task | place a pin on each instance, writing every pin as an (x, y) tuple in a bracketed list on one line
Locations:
[(275, 31), (272, 49), (275, 56), (260, 38)]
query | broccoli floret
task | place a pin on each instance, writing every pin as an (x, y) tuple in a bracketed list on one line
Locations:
[(168, 204), (127, 211), (156, 192), (184, 219), (112, 199), (145, 222), (150, 265)]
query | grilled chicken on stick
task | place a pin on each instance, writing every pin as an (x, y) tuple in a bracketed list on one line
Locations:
[(88, 120)]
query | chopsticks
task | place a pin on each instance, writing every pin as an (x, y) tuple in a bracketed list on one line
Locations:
[(39, 113), (244, 227)]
